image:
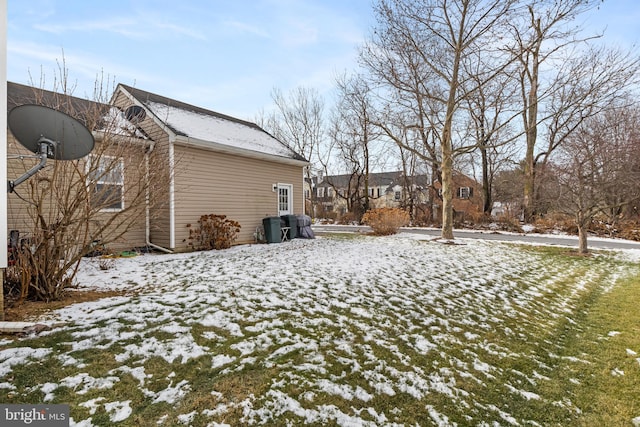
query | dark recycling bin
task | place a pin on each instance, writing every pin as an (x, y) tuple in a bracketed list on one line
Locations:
[(272, 230), (291, 221)]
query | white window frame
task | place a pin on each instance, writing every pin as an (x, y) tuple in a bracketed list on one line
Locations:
[(464, 192), (320, 191), (107, 179)]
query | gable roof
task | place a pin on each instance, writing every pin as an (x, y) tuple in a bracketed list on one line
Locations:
[(84, 110), (209, 128), (96, 116), (376, 179)]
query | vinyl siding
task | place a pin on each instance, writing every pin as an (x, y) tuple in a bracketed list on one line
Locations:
[(19, 217), (159, 224), (225, 184)]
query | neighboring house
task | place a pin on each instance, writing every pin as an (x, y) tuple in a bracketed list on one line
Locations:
[(391, 189), (467, 197), (213, 163), (335, 193)]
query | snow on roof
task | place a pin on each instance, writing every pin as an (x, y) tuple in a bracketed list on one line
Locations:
[(208, 127), (114, 122)]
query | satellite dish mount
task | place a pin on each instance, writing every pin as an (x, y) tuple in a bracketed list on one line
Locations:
[(46, 151), (50, 134)]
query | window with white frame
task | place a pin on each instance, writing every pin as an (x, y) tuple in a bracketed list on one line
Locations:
[(320, 191), (329, 192), (397, 195), (464, 192), (105, 177)]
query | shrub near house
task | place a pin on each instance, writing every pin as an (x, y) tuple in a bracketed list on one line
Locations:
[(213, 232)]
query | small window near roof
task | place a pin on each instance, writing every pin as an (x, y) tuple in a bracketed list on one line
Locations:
[(135, 114)]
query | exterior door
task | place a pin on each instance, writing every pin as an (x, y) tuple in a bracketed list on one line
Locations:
[(285, 199)]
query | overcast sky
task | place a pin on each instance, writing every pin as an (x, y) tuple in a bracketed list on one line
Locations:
[(223, 55)]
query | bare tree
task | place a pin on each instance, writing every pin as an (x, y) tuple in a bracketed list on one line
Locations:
[(598, 169), (298, 121), (425, 47), (74, 208), (490, 110), (544, 41), (354, 137)]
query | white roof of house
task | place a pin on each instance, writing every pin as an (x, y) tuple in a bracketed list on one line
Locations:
[(219, 130), (204, 126)]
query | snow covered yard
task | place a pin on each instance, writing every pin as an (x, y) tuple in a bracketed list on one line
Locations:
[(357, 331)]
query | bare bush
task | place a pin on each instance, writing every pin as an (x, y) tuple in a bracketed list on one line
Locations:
[(213, 232), (386, 221), (70, 206)]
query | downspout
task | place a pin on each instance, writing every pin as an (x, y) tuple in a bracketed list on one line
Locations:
[(172, 214), (147, 228)]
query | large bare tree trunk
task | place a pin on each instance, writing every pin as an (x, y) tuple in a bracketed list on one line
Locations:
[(530, 116), (582, 239), (447, 192)]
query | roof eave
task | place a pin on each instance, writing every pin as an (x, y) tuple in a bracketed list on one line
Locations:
[(227, 149)]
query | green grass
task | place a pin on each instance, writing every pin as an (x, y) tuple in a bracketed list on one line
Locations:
[(539, 363)]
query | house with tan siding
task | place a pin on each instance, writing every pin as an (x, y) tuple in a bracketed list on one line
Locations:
[(204, 162)]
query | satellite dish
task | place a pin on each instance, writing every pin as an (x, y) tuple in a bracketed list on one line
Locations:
[(49, 133), (67, 137)]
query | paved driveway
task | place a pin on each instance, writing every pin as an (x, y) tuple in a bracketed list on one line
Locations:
[(543, 239)]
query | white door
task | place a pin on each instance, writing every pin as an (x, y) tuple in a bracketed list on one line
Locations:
[(285, 193)]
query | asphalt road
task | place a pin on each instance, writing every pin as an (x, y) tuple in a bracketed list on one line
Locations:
[(595, 243)]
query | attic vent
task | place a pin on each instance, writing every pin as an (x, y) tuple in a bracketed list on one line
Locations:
[(135, 114)]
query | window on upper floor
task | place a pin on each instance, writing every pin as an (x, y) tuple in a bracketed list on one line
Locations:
[(465, 192)]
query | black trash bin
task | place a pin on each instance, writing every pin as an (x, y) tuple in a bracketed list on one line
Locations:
[(291, 221), (272, 231)]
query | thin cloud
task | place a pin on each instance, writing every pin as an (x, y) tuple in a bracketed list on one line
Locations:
[(247, 28), (124, 26)]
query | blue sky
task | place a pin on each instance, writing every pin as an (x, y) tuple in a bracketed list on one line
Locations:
[(223, 55)]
